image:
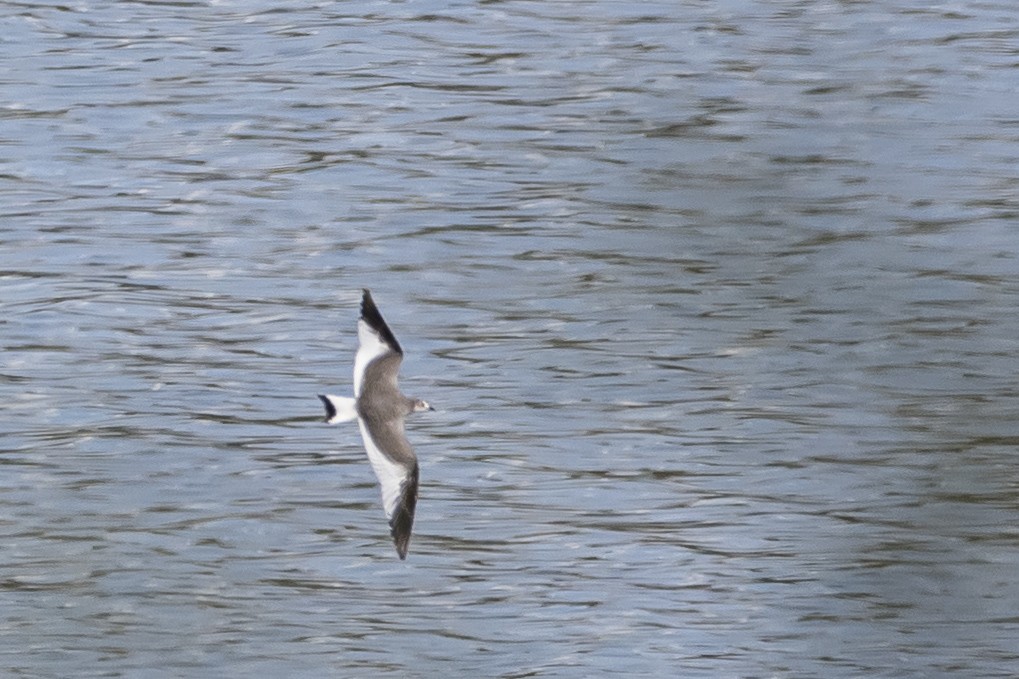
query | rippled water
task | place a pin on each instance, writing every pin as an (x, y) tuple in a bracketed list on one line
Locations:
[(717, 302)]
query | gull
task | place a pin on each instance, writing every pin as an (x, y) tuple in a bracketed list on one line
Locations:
[(380, 408)]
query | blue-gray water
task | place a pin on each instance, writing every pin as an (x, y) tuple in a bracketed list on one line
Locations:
[(717, 302)]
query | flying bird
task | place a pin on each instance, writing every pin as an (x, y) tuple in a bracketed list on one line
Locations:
[(380, 408)]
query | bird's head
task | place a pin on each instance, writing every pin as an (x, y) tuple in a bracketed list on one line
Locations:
[(418, 406)]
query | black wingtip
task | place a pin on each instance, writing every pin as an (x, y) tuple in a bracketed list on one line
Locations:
[(403, 519), (370, 314), (330, 408)]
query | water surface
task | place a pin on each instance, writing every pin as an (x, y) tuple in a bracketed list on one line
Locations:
[(716, 302)]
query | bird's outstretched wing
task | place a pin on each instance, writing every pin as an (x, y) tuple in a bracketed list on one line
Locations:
[(375, 341), (394, 464)]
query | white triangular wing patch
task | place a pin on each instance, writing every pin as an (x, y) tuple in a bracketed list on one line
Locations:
[(391, 475), (370, 347)]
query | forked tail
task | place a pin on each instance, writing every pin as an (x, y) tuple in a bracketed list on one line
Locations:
[(338, 408)]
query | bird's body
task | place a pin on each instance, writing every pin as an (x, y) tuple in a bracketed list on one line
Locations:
[(380, 409)]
